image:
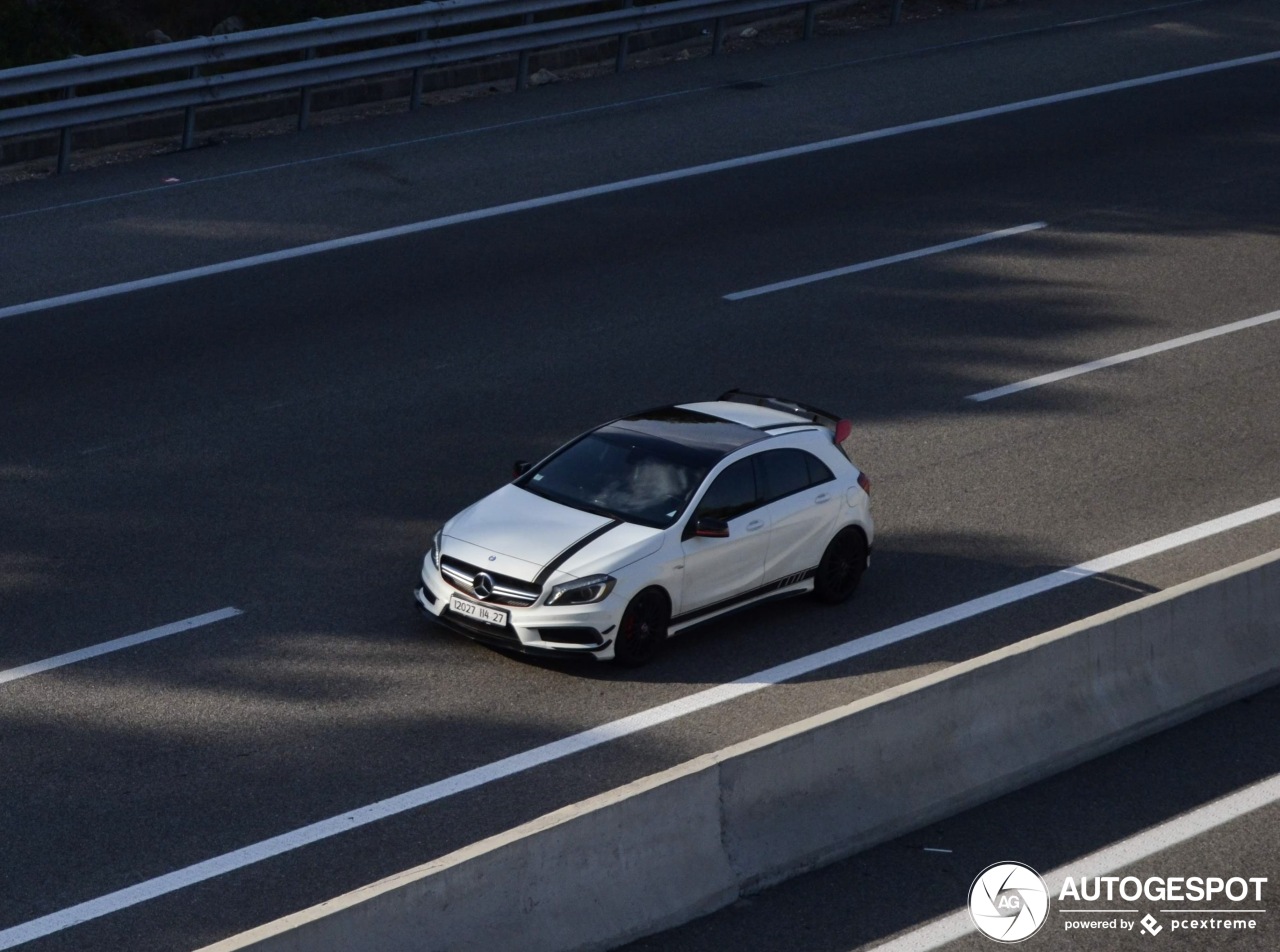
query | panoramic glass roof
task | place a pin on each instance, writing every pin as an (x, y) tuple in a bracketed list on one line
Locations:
[(698, 431)]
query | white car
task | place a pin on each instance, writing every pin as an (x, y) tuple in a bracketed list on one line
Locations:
[(653, 523)]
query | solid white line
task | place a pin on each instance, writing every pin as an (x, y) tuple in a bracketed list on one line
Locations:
[(1107, 860), (881, 262), (106, 647), (1125, 357), (627, 184), (596, 736)]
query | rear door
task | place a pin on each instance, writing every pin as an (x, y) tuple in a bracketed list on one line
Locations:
[(719, 571), (802, 503)]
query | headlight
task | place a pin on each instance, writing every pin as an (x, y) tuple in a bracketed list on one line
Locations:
[(582, 591), (435, 547)]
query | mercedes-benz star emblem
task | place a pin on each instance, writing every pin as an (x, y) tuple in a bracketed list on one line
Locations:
[(482, 585)]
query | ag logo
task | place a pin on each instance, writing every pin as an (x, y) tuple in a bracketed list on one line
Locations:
[(1008, 902)]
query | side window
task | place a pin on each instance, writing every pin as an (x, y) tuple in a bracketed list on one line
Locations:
[(784, 472), (818, 471), (732, 493)]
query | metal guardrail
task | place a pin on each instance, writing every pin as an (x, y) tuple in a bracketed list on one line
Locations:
[(200, 72)]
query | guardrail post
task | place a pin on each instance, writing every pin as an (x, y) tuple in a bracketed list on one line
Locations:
[(624, 40), (717, 36), (810, 11), (895, 14), (304, 107), (415, 93), (522, 65), (64, 135), (64, 147), (189, 116)]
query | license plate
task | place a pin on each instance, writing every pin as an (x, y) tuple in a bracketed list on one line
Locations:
[(490, 616)]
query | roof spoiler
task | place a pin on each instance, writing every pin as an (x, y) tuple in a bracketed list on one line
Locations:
[(840, 428), (822, 417)]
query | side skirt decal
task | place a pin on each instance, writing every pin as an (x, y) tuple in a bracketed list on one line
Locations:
[(777, 585)]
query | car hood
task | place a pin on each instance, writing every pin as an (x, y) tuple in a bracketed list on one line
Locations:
[(517, 533), (621, 545)]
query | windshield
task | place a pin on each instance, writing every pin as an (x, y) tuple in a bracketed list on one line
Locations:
[(622, 474)]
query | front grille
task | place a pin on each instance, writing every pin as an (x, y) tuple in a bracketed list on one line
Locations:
[(506, 590)]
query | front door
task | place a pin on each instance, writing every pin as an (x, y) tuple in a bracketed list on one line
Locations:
[(720, 570)]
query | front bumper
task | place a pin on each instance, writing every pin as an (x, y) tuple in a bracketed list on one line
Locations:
[(538, 630)]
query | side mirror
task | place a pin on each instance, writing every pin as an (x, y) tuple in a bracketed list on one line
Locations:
[(520, 467), (709, 528)]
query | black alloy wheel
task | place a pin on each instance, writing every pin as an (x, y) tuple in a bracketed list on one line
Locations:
[(841, 567), (643, 628)]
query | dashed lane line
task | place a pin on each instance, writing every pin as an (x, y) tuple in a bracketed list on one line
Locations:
[(883, 262), (1127, 356), (117, 644)]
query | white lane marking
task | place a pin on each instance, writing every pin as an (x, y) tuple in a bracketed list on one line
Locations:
[(881, 262), (596, 736), (1107, 860), (106, 647), (593, 191), (1127, 356)]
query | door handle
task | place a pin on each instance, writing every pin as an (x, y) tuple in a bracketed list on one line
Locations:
[(754, 525), (822, 497)]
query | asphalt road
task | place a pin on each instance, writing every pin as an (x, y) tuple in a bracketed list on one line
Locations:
[(284, 439)]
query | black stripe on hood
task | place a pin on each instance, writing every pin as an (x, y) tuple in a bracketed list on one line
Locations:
[(549, 569)]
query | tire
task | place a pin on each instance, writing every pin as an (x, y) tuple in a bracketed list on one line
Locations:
[(643, 628), (841, 567)]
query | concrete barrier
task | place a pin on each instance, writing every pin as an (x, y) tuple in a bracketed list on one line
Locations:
[(676, 845), (642, 857)]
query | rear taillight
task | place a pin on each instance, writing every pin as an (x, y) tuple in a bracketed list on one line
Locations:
[(865, 482), (843, 429)]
